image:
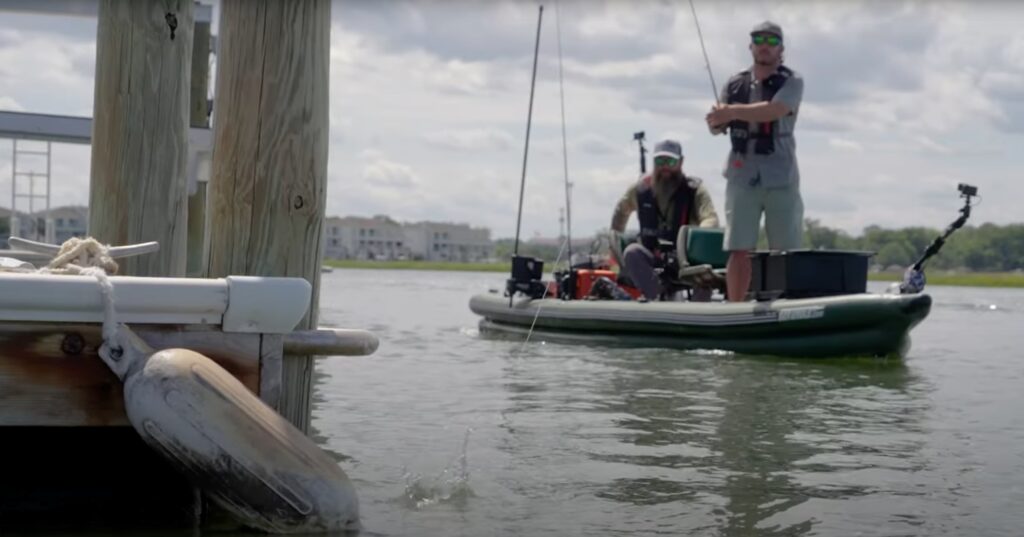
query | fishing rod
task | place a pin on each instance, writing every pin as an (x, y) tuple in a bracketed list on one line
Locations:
[(913, 278), (565, 151), (529, 119), (519, 265), (707, 62)]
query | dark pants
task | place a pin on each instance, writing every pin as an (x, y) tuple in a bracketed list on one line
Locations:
[(639, 264)]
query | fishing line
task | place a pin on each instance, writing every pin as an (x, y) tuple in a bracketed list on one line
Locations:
[(540, 305), (707, 63)]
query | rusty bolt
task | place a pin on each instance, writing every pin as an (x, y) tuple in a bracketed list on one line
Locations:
[(73, 344)]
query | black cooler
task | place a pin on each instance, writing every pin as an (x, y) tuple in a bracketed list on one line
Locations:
[(808, 273)]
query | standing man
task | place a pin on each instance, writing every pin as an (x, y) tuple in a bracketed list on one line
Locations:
[(759, 108), (664, 200)]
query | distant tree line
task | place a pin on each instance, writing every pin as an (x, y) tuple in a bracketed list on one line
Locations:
[(984, 248), (503, 249)]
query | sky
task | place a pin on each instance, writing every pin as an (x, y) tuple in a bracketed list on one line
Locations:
[(429, 100)]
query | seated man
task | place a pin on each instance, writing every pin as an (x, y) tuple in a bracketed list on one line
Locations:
[(664, 200)]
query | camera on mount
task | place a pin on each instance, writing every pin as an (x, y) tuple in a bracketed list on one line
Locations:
[(638, 135), (967, 190)]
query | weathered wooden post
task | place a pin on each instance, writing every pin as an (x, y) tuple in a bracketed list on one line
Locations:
[(269, 173), (198, 118), (137, 189)]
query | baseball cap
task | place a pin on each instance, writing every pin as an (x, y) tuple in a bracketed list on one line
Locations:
[(668, 148), (767, 27)]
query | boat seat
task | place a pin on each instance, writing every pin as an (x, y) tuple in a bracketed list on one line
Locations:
[(699, 264), (701, 260)]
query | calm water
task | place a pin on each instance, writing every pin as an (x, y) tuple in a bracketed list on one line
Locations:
[(449, 433)]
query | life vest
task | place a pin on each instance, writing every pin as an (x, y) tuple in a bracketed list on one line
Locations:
[(653, 224), (739, 92)]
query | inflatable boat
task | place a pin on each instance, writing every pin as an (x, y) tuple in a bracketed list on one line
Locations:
[(803, 303), (861, 324)]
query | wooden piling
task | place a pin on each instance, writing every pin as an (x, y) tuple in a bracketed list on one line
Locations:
[(137, 189), (198, 117), (269, 172)]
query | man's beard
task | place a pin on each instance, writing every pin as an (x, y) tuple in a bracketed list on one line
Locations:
[(670, 174), (765, 63)]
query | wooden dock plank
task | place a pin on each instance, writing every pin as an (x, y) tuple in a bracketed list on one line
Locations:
[(50, 374)]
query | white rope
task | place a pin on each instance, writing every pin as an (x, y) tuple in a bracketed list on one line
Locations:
[(109, 313), (89, 257), (76, 255)]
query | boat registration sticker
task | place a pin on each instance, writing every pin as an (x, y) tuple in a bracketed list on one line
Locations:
[(801, 314)]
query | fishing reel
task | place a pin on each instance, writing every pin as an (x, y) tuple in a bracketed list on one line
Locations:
[(526, 277)]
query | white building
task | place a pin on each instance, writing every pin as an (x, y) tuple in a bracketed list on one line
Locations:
[(68, 221), (433, 241), (5, 227), (354, 237)]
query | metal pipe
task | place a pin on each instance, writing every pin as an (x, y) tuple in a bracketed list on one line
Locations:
[(330, 342)]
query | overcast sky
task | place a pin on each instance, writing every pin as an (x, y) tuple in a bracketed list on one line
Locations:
[(429, 101)]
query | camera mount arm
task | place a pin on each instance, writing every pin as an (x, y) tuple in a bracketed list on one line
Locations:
[(913, 278), (639, 137)]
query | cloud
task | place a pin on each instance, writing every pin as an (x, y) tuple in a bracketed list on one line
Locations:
[(470, 140), (930, 145), (389, 175), (9, 104), (47, 71), (846, 145), (461, 77), (428, 102), (1003, 84), (595, 144)]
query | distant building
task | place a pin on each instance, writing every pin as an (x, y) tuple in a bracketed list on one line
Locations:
[(380, 237), (355, 237), (68, 221), (433, 241), (5, 227)]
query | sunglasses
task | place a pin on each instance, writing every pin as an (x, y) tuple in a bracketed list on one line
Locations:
[(665, 161), (772, 40)]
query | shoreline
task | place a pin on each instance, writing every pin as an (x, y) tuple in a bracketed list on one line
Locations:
[(965, 279)]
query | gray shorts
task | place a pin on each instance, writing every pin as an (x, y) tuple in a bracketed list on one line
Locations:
[(783, 216)]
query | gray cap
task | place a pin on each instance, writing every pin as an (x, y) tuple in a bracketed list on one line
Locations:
[(767, 27), (668, 148)]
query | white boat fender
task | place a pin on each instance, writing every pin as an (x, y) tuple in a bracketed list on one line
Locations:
[(239, 451)]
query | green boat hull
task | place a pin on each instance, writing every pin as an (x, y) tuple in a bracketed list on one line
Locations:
[(847, 325)]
